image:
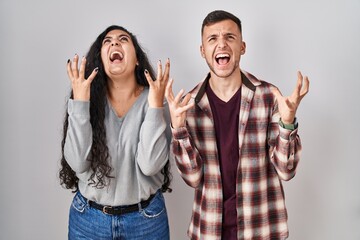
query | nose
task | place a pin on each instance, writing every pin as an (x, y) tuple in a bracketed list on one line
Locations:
[(115, 42), (221, 43)]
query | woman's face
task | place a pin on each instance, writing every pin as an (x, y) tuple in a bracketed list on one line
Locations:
[(118, 54)]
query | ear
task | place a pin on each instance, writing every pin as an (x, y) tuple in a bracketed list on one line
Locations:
[(202, 52), (243, 48)]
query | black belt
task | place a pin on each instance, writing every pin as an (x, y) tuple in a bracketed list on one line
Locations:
[(118, 210)]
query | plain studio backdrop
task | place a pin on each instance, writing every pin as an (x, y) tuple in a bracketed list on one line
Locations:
[(320, 38)]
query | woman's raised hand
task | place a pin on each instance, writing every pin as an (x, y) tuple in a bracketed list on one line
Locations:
[(157, 87), (80, 85)]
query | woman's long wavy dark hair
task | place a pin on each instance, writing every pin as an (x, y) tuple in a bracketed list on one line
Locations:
[(99, 154)]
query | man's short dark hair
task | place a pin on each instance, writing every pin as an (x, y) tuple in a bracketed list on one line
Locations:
[(218, 16)]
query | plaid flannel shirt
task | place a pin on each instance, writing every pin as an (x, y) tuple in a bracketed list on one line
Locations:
[(268, 154)]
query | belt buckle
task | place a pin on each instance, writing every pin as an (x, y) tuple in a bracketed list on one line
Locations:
[(107, 209)]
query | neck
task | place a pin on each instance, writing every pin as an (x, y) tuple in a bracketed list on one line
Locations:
[(225, 88), (120, 89)]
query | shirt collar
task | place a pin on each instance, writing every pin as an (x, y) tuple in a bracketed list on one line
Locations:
[(245, 81)]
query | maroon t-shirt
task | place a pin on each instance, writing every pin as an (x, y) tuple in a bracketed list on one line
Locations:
[(226, 121)]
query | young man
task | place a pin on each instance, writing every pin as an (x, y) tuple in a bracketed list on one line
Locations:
[(235, 141)]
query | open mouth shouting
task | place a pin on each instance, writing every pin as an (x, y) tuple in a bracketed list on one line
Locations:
[(116, 57), (222, 58)]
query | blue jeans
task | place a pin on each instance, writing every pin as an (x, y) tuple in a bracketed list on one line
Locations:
[(149, 223)]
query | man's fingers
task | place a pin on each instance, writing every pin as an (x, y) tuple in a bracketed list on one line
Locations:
[(305, 88), (302, 86), (179, 96), (300, 76), (183, 109), (186, 99), (185, 105), (168, 91), (188, 106), (298, 84), (289, 104)]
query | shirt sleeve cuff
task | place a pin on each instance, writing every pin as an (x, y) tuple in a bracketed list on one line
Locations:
[(291, 126), (76, 107), (155, 114), (179, 133)]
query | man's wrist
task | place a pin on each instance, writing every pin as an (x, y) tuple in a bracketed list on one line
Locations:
[(291, 126)]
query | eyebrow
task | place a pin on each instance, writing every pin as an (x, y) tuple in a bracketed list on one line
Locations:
[(212, 35), (226, 35), (119, 36)]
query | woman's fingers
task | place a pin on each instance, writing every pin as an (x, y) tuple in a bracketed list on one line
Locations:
[(159, 70), (74, 67), (82, 68), (148, 77), (92, 75), (80, 85), (167, 71), (69, 71), (73, 71), (161, 77)]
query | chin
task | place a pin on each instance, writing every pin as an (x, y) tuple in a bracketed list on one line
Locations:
[(223, 74)]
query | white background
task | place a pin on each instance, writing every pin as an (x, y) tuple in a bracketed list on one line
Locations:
[(320, 38)]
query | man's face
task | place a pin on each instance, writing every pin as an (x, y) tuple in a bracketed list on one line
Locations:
[(222, 47)]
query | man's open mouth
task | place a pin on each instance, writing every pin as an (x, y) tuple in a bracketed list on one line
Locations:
[(222, 58)]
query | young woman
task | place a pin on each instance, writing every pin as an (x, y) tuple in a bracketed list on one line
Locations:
[(115, 148)]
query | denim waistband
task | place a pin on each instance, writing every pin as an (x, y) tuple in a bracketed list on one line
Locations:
[(119, 210)]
